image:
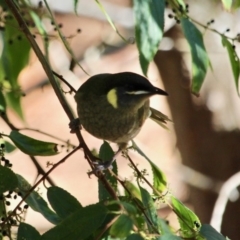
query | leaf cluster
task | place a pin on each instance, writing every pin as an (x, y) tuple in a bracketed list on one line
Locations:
[(132, 215)]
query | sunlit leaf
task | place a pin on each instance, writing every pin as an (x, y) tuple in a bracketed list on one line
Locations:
[(189, 222), (182, 3), (149, 24), (234, 60), (227, 4), (33, 146), (159, 178), (200, 60)]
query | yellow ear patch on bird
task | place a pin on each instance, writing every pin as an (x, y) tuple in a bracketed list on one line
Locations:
[(112, 97)]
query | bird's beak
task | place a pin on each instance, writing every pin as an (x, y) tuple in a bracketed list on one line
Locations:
[(160, 92)]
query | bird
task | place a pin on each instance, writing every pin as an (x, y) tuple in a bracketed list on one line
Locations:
[(114, 107)]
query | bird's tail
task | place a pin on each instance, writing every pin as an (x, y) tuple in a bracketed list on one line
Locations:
[(159, 118)]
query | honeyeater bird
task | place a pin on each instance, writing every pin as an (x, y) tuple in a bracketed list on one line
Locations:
[(114, 107)]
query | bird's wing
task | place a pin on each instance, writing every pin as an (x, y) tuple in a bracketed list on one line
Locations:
[(159, 118)]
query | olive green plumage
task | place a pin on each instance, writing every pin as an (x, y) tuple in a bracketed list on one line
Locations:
[(114, 107)]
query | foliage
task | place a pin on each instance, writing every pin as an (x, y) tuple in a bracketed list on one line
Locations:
[(131, 215)]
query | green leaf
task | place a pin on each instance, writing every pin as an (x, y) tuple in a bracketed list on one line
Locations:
[(41, 29), (79, 225), (182, 3), (169, 237), (227, 4), (62, 37), (130, 209), (27, 232), (121, 227), (234, 60), (135, 236), (236, 4), (159, 178), (3, 4), (209, 232), (75, 6), (200, 60), (149, 24), (14, 44), (165, 229), (109, 20), (62, 202), (33, 146), (150, 211), (189, 222), (166, 233), (2, 103), (106, 154), (133, 190), (8, 180), (9, 147), (36, 202)]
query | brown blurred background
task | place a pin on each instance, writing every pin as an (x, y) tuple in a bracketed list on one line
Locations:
[(199, 152)]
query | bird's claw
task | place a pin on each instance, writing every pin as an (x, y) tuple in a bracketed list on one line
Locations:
[(101, 166)]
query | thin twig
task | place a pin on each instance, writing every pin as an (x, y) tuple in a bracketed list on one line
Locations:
[(136, 202), (72, 89), (34, 160), (140, 175), (23, 26), (108, 225), (37, 183)]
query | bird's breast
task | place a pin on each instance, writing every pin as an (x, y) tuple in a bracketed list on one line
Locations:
[(106, 122)]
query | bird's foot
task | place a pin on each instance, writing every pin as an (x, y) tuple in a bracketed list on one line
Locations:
[(101, 166), (74, 125)]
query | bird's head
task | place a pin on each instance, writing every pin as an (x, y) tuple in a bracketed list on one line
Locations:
[(129, 90)]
